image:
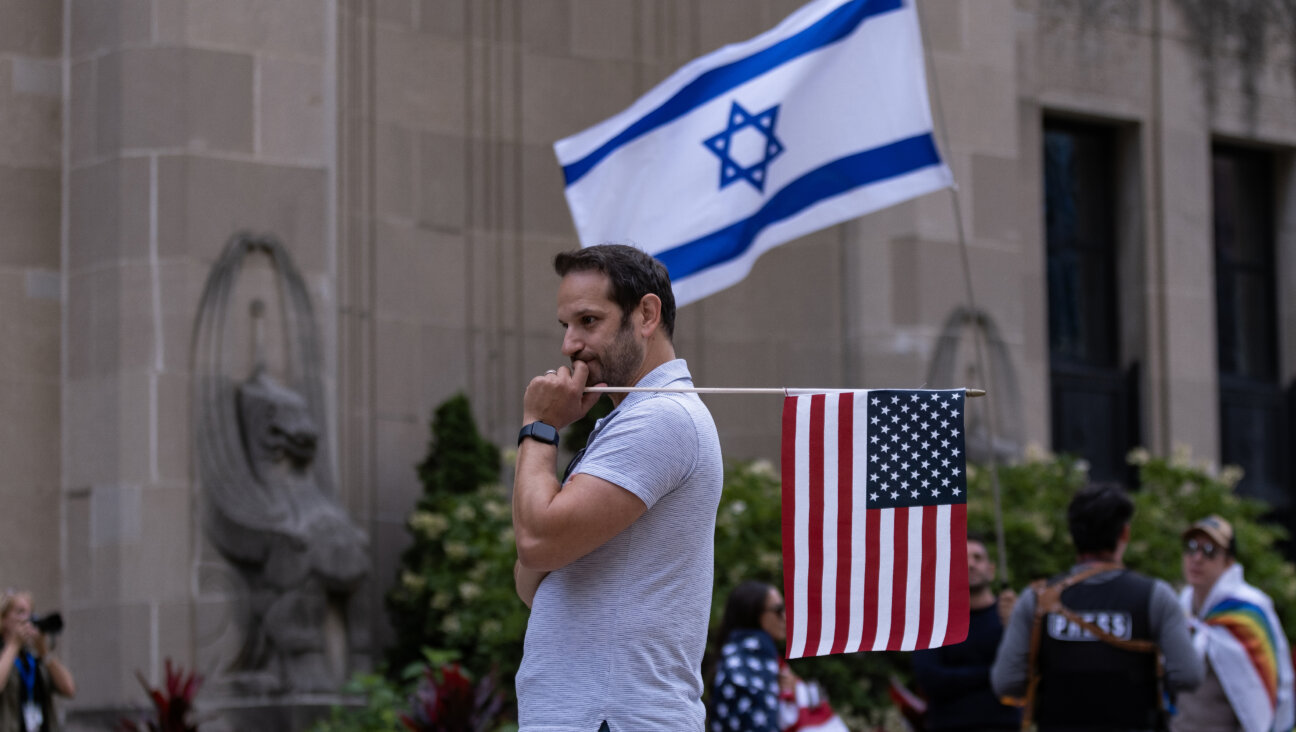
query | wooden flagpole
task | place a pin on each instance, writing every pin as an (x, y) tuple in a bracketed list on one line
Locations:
[(943, 141), (784, 390)]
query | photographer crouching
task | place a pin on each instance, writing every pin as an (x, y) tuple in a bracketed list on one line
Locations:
[(29, 674)]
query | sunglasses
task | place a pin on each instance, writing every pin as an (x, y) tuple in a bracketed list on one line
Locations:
[(1207, 549), (777, 609)]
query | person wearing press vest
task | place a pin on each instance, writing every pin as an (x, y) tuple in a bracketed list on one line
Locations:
[(1235, 630), (616, 560), (30, 675), (1101, 628)]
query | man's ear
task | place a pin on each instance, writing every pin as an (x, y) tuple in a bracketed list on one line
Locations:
[(650, 310)]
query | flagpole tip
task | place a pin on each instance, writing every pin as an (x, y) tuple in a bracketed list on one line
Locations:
[(976, 392)]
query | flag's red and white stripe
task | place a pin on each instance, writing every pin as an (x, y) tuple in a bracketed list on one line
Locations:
[(860, 578)]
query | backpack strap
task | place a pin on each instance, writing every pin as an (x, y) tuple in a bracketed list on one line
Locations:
[(1048, 599)]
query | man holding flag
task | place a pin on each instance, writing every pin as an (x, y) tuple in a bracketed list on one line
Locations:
[(617, 561)]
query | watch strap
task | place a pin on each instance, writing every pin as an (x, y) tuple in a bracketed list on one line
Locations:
[(539, 431)]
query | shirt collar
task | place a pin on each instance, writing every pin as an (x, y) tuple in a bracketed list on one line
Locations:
[(666, 374)]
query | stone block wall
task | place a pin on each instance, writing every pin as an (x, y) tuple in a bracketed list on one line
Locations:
[(31, 294), (188, 121)]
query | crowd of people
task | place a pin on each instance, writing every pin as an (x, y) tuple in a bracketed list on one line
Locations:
[(1099, 647), (1102, 647)]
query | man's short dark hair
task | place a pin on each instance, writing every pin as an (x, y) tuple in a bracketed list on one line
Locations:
[(632, 272), (1096, 516)]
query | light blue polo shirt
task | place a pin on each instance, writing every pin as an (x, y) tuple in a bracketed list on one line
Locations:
[(618, 634)]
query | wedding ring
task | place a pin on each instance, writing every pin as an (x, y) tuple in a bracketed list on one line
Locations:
[(551, 371)]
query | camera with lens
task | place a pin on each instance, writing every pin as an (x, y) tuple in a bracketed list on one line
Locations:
[(49, 624)]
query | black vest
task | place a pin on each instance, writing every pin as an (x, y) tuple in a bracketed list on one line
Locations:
[(1086, 683)]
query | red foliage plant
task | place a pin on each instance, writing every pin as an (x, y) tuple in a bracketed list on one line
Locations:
[(448, 701), (172, 703)]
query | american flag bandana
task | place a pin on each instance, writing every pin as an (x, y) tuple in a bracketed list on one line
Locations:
[(874, 521)]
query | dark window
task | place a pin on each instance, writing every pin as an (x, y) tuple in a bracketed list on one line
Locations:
[(1244, 264), (1094, 395), (1253, 411), (1079, 214)]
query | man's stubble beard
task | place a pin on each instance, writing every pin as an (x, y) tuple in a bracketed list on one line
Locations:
[(621, 361)]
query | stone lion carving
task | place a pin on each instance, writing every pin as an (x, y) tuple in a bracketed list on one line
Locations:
[(268, 502)]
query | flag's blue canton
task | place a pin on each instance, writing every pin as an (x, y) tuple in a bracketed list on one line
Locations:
[(722, 145), (915, 448)]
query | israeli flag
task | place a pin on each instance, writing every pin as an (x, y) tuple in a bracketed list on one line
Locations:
[(820, 120)]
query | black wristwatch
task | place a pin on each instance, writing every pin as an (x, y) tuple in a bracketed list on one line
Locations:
[(539, 431)]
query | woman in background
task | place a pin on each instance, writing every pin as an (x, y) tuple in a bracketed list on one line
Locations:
[(752, 690), (29, 674)]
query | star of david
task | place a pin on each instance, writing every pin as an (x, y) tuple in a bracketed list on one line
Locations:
[(722, 145)]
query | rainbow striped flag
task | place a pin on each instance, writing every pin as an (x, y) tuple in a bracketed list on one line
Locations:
[(1246, 621)]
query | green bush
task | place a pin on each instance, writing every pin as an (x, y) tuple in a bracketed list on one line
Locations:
[(384, 700), (455, 588), (1034, 495)]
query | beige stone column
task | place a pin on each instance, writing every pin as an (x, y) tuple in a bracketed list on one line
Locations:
[(1182, 401), (31, 118), (188, 121)]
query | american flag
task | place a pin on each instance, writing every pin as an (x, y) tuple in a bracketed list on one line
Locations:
[(874, 521)]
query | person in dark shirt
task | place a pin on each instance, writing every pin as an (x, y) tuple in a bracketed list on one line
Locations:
[(956, 679)]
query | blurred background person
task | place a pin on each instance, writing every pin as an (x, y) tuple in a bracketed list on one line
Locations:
[(1248, 684), (956, 679), (1109, 680), (752, 686), (29, 674)]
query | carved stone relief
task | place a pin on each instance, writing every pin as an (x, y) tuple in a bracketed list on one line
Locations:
[(287, 558)]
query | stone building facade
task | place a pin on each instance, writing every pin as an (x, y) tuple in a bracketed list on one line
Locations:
[(1113, 159)]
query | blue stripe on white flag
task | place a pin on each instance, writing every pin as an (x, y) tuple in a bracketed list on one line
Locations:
[(718, 81), (832, 179)]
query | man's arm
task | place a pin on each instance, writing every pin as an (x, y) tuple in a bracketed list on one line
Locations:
[(1011, 670), (556, 527), (1183, 668), (940, 680)]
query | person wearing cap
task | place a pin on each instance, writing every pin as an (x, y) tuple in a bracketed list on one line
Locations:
[(1248, 684)]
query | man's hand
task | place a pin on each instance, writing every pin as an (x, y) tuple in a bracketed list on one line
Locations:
[(1007, 601), (558, 396), (526, 582)]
